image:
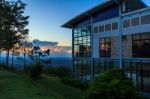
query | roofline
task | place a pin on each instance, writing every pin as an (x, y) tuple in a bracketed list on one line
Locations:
[(85, 12), (88, 13)]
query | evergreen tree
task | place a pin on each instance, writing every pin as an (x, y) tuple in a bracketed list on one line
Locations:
[(13, 25)]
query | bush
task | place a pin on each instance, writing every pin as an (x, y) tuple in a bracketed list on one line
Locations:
[(59, 72), (36, 71), (113, 84), (63, 72), (74, 82)]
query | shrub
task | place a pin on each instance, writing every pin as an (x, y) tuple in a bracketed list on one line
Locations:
[(113, 84), (59, 72), (63, 72), (74, 82), (36, 71)]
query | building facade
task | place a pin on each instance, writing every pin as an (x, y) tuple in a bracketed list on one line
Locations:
[(115, 33)]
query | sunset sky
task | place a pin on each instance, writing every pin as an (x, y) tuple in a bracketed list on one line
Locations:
[(46, 17)]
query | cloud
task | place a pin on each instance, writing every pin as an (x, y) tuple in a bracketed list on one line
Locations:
[(39, 43), (56, 51)]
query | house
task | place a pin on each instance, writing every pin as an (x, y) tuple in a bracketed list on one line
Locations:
[(115, 33)]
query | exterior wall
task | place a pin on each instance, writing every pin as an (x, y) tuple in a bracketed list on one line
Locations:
[(126, 47), (127, 33), (114, 47), (95, 47)]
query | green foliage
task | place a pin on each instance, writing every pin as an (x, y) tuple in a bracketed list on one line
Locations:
[(20, 86), (74, 82), (36, 71), (113, 84), (12, 24), (59, 72)]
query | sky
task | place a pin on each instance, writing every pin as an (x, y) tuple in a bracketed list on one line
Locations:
[(47, 16)]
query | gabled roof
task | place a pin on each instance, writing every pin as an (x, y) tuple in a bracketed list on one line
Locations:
[(137, 4)]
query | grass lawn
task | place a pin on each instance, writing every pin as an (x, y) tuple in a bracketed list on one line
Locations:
[(20, 86)]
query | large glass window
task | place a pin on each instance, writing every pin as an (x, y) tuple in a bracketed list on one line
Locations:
[(141, 45), (82, 42), (82, 68), (105, 47)]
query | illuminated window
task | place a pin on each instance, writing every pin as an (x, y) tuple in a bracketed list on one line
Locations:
[(105, 47)]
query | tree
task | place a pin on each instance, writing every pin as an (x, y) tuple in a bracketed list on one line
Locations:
[(15, 52), (13, 25), (113, 84), (1, 25), (26, 47)]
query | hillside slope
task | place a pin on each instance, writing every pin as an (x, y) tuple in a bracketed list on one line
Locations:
[(20, 86)]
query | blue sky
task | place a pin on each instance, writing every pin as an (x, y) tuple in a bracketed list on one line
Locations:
[(46, 17)]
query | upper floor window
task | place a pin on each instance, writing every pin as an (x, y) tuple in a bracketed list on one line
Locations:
[(81, 42), (141, 45), (108, 27), (95, 29), (126, 23), (105, 47), (145, 19), (115, 26), (135, 21), (101, 28)]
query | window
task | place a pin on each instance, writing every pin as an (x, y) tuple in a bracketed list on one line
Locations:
[(135, 21), (126, 23), (145, 19), (81, 68), (101, 28), (141, 45), (82, 42), (115, 26), (108, 27), (105, 47), (95, 29)]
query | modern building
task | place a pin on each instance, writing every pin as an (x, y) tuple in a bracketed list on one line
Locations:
[(115, 33)]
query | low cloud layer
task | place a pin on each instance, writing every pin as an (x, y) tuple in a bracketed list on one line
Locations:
[(56, 51), (39, 43)]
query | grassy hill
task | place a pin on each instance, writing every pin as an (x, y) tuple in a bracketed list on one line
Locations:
[(20, 86)]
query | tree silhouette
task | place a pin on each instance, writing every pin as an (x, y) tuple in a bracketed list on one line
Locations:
[(13, 25)]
